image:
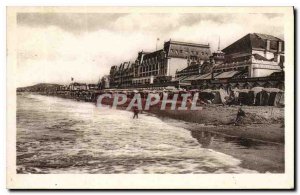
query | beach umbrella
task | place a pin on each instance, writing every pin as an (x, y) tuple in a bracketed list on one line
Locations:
[(272, 90), (241, 90), (170, 88), (207, 90), (257, 89)]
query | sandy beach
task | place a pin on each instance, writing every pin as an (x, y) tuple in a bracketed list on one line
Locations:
[(261, 123), (262, 128)]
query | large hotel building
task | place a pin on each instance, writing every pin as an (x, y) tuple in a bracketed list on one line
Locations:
[(159, 66), (182, 63)]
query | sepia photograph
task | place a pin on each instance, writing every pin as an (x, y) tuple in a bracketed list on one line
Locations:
[(150, 97)]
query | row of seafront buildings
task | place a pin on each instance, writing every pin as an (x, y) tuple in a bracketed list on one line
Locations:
[(254, 60)]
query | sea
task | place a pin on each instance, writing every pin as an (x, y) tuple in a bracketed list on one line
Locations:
[(56, 135)]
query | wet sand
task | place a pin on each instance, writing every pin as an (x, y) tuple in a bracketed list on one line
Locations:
[(258, 141), (256, 150), (261, 123)]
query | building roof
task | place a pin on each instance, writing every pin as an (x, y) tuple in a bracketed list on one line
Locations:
[(228, 74), (153, 54), (252, 41), (180, 78), (268, 37), (190, 68), (77, 84), (206, 76), (187, 44), (186, 50)]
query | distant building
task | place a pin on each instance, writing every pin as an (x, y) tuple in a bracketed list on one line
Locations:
[(197, 70), (78, 86), (193, 65), (122, 75), (104, 83), (217, 57), (160, 65), (254, 55), (63, 87), (181, 54), (92, 86)]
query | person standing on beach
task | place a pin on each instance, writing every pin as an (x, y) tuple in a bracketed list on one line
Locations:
[(135, 112), (240, 114)]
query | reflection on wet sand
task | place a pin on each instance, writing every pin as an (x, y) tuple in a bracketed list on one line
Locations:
[(203, 137), (265, 156)]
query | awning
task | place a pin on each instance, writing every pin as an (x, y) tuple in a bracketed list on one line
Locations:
[(272, 90), (206, 76), (232, 84), (185, 84), (241, 84), (191, 78), (260, 83), (229, 74), (273, 82), (180, 78)]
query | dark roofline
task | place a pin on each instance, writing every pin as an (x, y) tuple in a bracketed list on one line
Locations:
[(223, 50), (187, 44), (261, 34), (144, 52), (250, 38), (154, 52)]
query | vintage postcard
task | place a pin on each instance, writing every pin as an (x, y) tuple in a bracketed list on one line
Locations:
[(150, 97)]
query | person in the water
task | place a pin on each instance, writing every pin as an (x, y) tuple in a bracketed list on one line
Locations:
[(135, 112)]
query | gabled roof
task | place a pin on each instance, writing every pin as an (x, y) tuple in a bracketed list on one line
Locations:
[(252, 41), (153, 54), (268, 37), (191, 67), (228, 74)]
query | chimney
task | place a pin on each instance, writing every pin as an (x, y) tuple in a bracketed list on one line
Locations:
[(276, 57), (279, 49), (268, 45)]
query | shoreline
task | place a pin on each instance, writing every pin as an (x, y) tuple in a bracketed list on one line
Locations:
[(261, 136), (263, 125)]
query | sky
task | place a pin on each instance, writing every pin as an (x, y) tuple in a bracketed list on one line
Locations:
[(54, 47)]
